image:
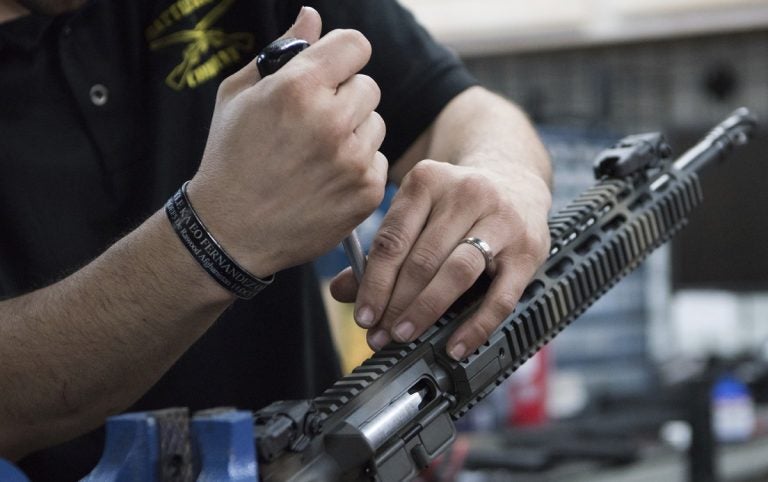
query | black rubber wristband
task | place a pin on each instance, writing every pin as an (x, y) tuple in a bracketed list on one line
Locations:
[(207, 251)]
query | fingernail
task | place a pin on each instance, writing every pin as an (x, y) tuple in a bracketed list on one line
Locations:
[(379, 339), (459, 351), (403, 331), (364, 316), (301, 13)]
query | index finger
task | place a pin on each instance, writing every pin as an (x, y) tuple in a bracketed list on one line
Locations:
[(307, 27), (398, 232), (337, 56)]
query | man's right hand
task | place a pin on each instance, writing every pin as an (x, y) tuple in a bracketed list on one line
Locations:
[(291, 165)]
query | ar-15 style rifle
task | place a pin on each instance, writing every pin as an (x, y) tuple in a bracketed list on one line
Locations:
[(394, 414)]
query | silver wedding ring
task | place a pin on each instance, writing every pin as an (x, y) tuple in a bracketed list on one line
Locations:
[(485, 250)]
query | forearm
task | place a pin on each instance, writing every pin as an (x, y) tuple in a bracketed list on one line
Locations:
[(291, 164), (90, 345), (479, 128)]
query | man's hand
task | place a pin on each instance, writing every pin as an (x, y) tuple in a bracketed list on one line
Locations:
[(292, 162), (418, 265)]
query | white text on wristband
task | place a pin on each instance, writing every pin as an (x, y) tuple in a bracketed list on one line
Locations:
[(207, 251)]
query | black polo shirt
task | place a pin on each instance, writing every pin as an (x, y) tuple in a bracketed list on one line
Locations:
[(105, 112)]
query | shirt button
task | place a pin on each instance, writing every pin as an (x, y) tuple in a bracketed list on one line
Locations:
[(66, 31), (99, 95)]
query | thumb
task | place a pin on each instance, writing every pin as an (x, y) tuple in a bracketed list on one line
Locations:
[(344, 286), (308, 26)]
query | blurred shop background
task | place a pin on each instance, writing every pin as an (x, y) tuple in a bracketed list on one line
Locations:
[(666, 377)]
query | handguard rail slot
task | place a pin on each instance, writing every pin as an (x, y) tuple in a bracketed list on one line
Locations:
[(603, 239)]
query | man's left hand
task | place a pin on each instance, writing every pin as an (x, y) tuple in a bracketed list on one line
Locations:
[(418, 265)]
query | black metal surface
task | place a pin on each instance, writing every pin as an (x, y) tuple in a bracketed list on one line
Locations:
[(596, 240), (277, 54), (632, 155)]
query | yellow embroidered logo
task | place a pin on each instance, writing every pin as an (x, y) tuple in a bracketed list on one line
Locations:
[(207, 50)]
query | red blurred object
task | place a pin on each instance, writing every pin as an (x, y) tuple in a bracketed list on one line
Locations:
[(528, 392)]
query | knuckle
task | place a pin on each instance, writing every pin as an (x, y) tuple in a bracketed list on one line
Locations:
[(422, 263), (465, 265), (390, 242), (544, 243), (336, 131), (474, 186), (380, 123), (504, 303), (289, 94), (471, 183), (297, 84), (511, 216), (420, 177), (374, 284), (431, 306), (347, 151), (370, 197), (527, 264), (535, 245), (226, 89), (373, 136), (481, 329), (357, 40), (371, 86), (374, 182)]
